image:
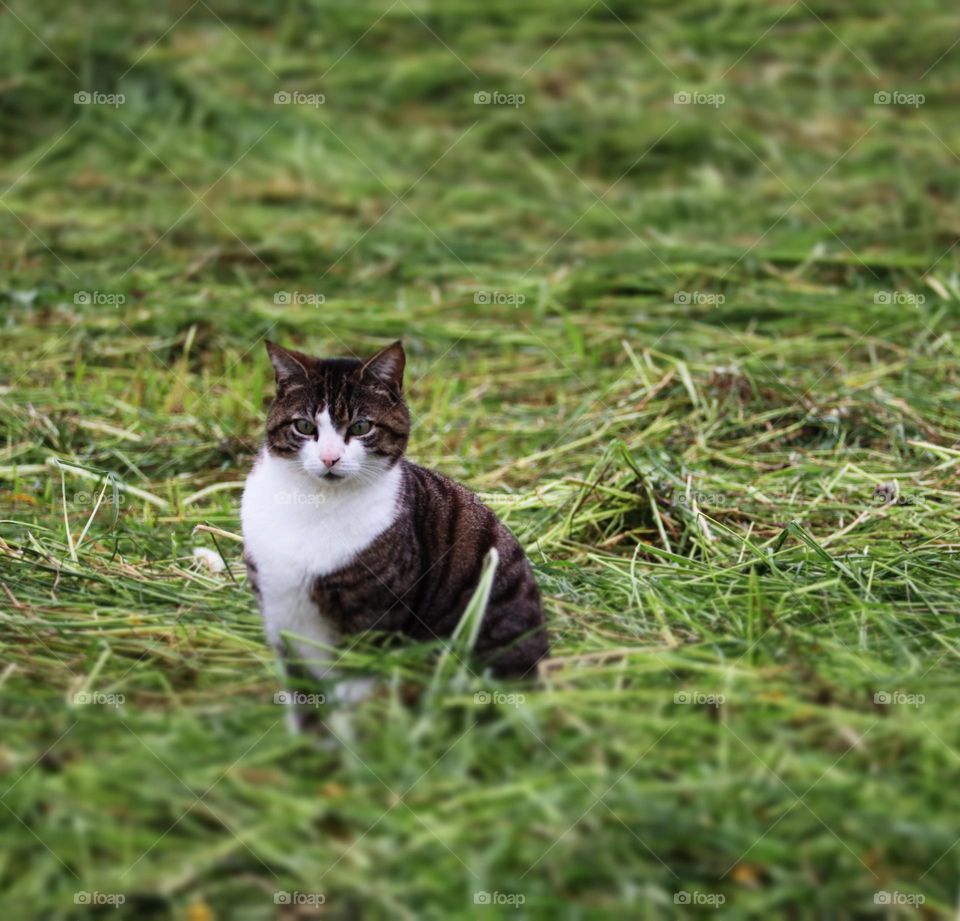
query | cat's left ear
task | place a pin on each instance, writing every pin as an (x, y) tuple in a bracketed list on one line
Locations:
[(387, 365)]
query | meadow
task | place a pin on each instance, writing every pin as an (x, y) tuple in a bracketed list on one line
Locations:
[(678, 288)]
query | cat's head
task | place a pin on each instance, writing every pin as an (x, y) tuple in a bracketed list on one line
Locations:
[(339, 419)]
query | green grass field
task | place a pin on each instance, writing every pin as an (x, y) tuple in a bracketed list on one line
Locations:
[(698, 350)]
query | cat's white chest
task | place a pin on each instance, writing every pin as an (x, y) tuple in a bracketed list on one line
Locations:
[(296, 529)]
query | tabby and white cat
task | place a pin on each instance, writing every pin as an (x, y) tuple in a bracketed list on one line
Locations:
[(342, 534)]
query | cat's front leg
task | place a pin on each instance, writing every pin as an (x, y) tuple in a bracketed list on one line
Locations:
[(315, 690), (294, 679), (305, 705)]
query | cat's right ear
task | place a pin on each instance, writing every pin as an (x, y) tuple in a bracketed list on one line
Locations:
[(387, 365), (290, 367)]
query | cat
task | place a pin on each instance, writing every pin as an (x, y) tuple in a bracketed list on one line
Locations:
[(343, 535)]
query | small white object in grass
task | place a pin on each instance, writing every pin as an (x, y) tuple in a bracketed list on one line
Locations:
[(209, 558)]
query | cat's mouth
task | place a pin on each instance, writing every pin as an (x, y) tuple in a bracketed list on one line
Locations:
[(329, 475)]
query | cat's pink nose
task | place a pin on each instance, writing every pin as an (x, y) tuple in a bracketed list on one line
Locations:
[(328, 460)]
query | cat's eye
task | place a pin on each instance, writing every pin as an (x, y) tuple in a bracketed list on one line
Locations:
[(304, 427), (361, 427)]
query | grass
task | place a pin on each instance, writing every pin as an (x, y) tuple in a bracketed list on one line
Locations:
[(701, 358)]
